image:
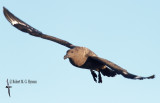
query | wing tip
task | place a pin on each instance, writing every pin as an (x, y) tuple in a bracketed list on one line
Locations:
[(4, 8), (151, 77), (141, 78), (9, 16)]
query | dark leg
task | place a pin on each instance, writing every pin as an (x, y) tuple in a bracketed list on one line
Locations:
[(99, 77), (94, 75)]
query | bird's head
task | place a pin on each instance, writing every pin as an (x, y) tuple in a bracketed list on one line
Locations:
[(70, 54), (77, 53)]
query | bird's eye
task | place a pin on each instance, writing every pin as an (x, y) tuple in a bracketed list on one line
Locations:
[(71, 51)]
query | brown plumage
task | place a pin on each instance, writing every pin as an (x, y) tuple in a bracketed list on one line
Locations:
[(78, 56)]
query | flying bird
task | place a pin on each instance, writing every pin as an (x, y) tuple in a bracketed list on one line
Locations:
[(8, 88), (78, 56)]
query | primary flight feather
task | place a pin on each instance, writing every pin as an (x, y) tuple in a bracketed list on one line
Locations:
[(78, 56)]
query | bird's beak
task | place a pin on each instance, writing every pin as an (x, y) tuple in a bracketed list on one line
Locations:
[(66, 56)]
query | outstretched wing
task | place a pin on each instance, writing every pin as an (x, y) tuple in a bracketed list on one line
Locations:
[(7, 83), (9, 92), (19, 24), (118, 69)]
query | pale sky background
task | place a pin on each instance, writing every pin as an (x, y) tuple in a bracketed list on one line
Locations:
[(126, 32)]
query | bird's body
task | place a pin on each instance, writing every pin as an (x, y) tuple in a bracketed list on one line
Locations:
[(8, 86), (81, 57)]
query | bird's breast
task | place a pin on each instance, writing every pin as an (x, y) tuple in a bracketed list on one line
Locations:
[(86, 63), (77, 62)]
